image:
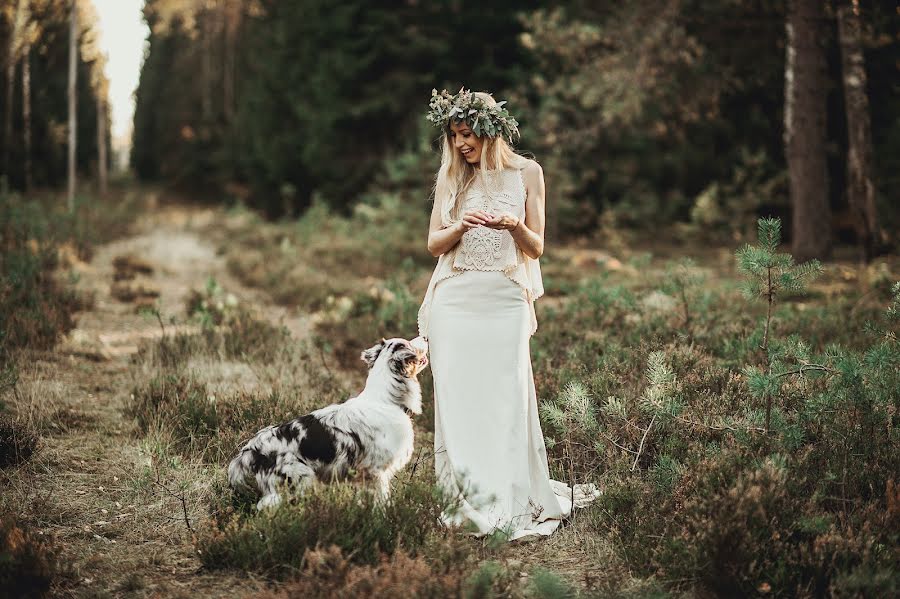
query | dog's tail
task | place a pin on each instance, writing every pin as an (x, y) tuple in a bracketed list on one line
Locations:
[(239, 471)]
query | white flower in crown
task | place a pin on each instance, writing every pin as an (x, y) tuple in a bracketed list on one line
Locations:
[(465, 106)]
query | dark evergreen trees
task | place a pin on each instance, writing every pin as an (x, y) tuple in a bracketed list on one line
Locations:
[(322, 93), (37, 102)]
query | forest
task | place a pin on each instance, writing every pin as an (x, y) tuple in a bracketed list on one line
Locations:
[(717, 347)]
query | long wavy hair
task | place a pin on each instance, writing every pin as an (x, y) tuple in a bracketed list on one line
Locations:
[(455, 175)]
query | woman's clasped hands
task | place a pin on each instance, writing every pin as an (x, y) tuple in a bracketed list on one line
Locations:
[(474, 218)]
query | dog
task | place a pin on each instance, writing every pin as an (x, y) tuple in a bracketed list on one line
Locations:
[(371, 433)]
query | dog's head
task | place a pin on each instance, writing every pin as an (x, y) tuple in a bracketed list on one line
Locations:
[(403, 357)]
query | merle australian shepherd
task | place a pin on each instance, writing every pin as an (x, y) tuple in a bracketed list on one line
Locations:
[(371, 433)]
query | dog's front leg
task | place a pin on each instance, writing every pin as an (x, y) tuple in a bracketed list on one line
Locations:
[(383, 486), (273, 499)]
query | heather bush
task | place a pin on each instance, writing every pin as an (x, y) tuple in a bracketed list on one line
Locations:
[(326, 255), (775, 479), (329, 573), (17, 441), (182, 409), (345, 515), (35, 309), (27, 561)]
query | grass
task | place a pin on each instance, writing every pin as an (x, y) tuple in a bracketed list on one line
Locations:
[(341, 515), (696, 488), (651, 379)]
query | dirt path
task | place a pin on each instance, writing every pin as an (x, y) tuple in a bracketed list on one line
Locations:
[(90, 487)]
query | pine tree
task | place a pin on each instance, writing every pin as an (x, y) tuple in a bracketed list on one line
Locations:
[(769, 274)]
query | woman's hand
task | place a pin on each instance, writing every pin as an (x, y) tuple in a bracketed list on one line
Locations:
[(474, 218), (503, 221)]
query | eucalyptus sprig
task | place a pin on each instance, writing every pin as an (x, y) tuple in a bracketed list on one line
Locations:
[(464, 106)]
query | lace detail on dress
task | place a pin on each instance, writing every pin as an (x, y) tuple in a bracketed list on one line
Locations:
[(486, 249), (481, 247)]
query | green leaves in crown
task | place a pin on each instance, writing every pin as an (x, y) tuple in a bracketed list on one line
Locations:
[(465, 106)]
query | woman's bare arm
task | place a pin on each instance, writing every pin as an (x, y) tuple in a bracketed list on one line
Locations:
[(528, 235), (442, 239)]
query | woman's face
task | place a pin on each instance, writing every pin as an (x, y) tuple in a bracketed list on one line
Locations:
[(466, 142)]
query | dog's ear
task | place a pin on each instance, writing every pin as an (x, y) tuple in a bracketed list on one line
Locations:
[(370, 355)]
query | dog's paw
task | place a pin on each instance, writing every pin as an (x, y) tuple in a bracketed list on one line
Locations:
[(268, 501)]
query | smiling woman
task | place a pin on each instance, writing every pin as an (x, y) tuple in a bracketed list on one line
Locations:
[(487, 227), (465, 140)]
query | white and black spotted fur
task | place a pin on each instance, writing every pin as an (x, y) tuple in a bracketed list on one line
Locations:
[(371, 433)]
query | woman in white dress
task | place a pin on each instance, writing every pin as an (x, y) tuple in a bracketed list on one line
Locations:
[(487, 229)]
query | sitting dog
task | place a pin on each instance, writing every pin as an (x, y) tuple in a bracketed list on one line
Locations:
[(371, 433)]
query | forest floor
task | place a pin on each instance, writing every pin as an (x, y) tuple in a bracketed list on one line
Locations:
[(84, 487), (94, 488)]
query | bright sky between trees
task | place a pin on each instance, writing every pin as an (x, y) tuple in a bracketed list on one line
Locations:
[(124, 37)]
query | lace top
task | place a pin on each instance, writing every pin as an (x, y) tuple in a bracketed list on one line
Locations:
[(486, 249)]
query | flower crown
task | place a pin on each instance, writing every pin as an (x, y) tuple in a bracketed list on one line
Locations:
[(466, 106)]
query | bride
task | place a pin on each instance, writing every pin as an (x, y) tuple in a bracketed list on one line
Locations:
[(487, 228)]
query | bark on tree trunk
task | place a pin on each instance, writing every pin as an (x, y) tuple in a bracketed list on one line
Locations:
[(206, 32), (73, 118), (804, 130), (860, 187), (232, 13), (101, 141), (8, 112), (26, 110), (11, 60)]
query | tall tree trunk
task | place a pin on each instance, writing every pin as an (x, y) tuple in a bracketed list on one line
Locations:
[(26, 110), (11, 59), (232, 13), (206, 22), (101, 141), (804, 130), (860, 187), (73, 118), (8, 112)]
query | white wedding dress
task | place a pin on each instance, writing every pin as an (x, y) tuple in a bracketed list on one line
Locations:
[(478, 317)]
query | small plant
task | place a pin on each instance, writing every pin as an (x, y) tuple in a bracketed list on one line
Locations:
[(572, 416), (683, 281), (545, 584), (212, 306), (769, 274)]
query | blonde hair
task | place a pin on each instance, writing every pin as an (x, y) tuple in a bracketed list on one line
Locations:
[(456, 175)]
